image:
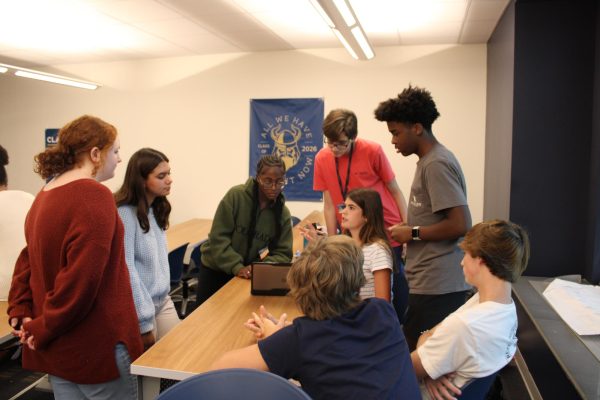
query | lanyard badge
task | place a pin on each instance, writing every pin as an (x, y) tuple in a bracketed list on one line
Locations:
[(344, 189)]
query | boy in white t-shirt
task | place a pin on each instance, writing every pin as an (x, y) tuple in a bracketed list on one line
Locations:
[(479, 338)]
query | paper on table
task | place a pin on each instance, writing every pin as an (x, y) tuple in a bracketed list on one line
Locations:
[(578, 305)]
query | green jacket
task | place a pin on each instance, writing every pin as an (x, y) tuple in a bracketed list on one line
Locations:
[(227, 243)]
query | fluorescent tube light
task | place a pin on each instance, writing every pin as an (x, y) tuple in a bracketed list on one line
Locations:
[(43, 76), (347, 14), (362, 42), (345, 43), (56, 79), (341, 19), (322, 13)]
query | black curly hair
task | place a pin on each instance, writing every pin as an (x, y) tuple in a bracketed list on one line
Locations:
[(413, 105)]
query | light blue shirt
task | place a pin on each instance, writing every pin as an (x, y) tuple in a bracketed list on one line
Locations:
[(148, 263)]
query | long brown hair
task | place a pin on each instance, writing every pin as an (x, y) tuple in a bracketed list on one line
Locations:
[(75, 140), (373, 231), (133, 190)]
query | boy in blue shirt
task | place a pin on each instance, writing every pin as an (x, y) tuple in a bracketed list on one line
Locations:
[(343, 348)]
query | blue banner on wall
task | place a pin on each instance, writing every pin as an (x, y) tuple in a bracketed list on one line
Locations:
[(292, 130)]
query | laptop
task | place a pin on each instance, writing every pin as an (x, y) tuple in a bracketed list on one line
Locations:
[(270, 278)]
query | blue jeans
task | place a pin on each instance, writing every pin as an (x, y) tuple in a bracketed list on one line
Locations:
[(122, 388)]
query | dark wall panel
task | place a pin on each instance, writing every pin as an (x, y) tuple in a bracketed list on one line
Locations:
[(499, 117), (592, 270), (553, 97)]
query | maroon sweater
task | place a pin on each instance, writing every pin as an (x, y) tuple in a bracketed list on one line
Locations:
[(73, 281)]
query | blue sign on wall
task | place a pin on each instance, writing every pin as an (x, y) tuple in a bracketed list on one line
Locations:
[(51, 136), (292, 130)]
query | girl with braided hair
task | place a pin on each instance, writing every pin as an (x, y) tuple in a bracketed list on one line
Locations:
[(251, 224)]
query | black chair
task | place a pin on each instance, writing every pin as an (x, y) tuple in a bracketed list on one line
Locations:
[(295, 221), (190, 276), (234, 383), (478, 388), (176, 270)]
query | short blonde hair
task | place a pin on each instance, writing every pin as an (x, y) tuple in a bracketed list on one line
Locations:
[(325, 280)]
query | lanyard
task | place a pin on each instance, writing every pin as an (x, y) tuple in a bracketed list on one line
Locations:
[(344, 189)]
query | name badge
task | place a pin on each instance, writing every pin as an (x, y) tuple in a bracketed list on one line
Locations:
[(263, 253)]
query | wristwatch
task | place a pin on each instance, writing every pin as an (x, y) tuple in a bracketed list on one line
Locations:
[(415, 233)]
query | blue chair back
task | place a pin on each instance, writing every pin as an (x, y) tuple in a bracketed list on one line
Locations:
[(234, 383), (478, 388), (295, 221), (176, 263)]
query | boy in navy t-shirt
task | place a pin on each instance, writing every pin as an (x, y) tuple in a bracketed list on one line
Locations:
[(343, 348)]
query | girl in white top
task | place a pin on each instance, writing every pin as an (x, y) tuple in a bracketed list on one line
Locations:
[(362, 219), (14, 205)]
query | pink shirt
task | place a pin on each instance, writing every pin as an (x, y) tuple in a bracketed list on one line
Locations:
[(370, 168)]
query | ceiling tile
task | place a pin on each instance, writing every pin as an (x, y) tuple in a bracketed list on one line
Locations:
[(134, 29), (203, 7), (478, 28), (255, 36), (486, 10), (443, 33), (132, 11), (187, 34)]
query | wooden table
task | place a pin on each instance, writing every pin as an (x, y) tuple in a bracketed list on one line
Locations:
[(191, 231), (314, 216), (212, 329)]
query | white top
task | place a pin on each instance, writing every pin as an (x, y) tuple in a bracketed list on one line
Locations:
[(14, 205), (475, 341), (376, 258)]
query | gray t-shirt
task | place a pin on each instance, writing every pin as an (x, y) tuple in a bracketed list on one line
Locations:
[(433, 267)]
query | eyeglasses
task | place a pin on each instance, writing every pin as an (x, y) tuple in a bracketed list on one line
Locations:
[(338, 145), (269, 184)]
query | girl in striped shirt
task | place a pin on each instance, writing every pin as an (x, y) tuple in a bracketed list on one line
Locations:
[(362, 219)]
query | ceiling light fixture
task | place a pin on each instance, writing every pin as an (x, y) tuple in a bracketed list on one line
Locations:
[(340, 17), (43, 76), (345, 43), (346, 12)]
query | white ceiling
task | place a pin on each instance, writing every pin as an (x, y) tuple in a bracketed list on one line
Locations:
[(48, 32)]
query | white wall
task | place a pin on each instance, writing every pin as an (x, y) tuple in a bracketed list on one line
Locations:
[(196, 110)]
